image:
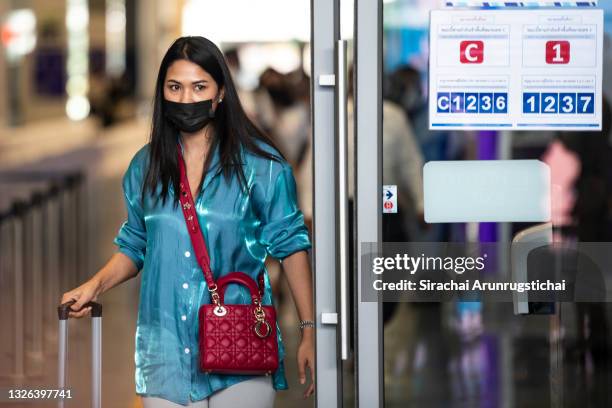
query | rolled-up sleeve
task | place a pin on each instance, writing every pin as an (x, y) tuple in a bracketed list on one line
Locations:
[(132, 236), (283, 230)]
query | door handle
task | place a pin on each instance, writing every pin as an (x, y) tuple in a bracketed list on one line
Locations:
[(342, 134)]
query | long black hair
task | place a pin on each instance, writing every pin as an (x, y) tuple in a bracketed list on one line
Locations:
[(232, 129)]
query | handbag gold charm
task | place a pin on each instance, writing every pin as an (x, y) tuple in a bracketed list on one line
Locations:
[(260, 317)]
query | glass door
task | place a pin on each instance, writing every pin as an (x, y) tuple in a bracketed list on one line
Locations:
[(457, 352)]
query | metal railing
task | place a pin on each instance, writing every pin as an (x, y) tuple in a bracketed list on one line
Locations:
[(43, 253)]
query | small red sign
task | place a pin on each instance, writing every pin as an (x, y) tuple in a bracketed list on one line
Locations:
[(471, 52), (388, 205), (557, 52)]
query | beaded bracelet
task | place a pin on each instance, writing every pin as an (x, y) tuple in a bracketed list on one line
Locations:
[(306, 323)]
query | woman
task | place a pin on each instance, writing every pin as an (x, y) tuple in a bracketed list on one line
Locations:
[(245, 197)]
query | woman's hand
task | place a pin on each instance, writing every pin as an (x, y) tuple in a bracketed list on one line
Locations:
[(87, 292), (306, 358), (299, 278)]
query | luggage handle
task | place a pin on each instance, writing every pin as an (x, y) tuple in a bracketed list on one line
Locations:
[(64, 310)]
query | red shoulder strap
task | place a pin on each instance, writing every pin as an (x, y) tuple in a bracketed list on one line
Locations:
[(193, 226)]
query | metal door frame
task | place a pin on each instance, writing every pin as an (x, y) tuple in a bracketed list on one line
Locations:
[(368, 193), (325, 34), (325, 31)]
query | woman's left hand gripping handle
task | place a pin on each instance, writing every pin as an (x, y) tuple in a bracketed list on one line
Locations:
[(79, 302)]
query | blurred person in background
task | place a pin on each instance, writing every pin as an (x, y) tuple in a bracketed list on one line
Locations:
[(110, 98), (245, 197), (247, 99), (302, 149), (404, 87), (271, 97), (402, 166), (284, 111), (593, 186), (292, 127), (591, 221), (581, 166)]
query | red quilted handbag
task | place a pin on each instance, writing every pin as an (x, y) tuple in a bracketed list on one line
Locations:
[(233, 339), (238, 339)]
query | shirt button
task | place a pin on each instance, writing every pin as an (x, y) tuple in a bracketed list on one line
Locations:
[(186, 350), (183, 317), (185, 286), (187, 254)]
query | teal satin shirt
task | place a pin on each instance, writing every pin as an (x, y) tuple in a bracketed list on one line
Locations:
[(240, 228)]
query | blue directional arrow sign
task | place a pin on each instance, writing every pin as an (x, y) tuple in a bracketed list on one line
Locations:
[(389, 199)]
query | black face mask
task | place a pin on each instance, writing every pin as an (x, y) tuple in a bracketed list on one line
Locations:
[(189, 117)]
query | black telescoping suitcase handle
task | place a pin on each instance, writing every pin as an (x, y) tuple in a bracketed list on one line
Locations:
[(64, 309)]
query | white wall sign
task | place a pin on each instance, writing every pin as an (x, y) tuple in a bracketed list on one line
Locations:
[(516, 69), (486, 191)]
